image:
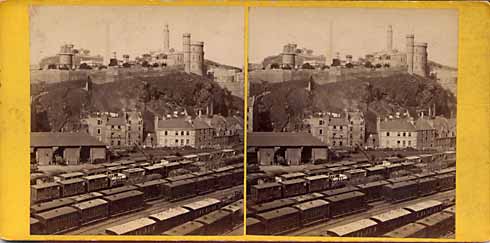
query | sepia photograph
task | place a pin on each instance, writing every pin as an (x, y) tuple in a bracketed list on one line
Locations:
[(137, 120), (351, 122)]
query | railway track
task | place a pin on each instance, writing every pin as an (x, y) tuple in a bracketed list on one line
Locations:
[(156, 206), (376, 208)]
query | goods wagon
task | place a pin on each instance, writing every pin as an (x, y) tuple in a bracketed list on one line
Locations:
[(45, 192), (170, 218), (216, 222), (189, 228), (313, 211), (142, 226), (280, 220), (91, 211), (360, 228), (59, 220), (124, 202)]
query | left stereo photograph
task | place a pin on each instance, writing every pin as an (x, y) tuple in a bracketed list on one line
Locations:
[(137, 120)]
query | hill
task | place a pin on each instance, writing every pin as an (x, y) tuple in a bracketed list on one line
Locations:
[(61, 105), (288, 103)]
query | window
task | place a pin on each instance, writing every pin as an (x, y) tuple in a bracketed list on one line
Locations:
[(129, 128), (321, 131), (341, 127), (410, 143), (182, 133), (404, 143), (176, 141), (182, 142), (187, 133), (320, 122), (398, 134), (176, 133), (333, 143), (334, 127), (404, 134), (112, 126), (187, 141), (387, 134), (99, 122), (118, 143), (340, 143), (98, 130), (166, 133), (118, 127), (409, 134), (334, 134)]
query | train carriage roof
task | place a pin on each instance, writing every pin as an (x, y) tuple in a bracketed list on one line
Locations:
[(181, 177), (252, 221), (233, 207), (169, 213), (86, 196), (399, 184), (277, 213), (391, 215), (117, 190), (71, 174), (54, 213), (316, 177), (213, 217), (423, 205), (333, 192), (151, 183), (202, 203), (451, 210), (344, 196), (405, 231), (311, 204), (94, 177), (375, 168), (292, 175), (352, 227), (307, 197), (293, 181), (72, 181), (355, 171), (266, 185), (263, 207), (184, 229), (33, 221), (130, 226), (435, 219), (45, 185), (133, 170), (57, 203), (123, 195), (179, 183), (90, 204), (372, 184)]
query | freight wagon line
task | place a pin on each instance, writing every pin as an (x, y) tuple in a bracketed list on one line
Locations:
[(155, 206), (319, 229)]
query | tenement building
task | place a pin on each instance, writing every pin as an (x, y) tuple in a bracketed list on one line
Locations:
[(116, 130), (183, 132)]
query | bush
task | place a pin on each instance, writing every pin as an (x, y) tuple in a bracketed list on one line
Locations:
[(307, 66), (84, 66)]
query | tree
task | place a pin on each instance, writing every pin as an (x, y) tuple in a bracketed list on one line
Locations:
[(307, 65), (52, 66), (378, 65), (84, 66), (155, 65), (368, 64), (102, 67), (349, 65), (386, 65), (275, 66), (113, 62), (145, 64), (126, 65)]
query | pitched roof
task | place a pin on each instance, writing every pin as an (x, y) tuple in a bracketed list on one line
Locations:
[(55, 139), (396, 125), (116, 121), (183, 123), (272, 139)]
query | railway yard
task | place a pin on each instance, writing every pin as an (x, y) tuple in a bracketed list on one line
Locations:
[(394, 196), (193, 194)]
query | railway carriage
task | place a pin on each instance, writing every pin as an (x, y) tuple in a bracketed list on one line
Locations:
[(346, 203), (446, 182), (425, 208), (376, 171), (117, 190), (96, 182), (69, 176), (237, 176), (124, 202), (392, 219), (411, 230), (313, 211), (178, 190), (134, 175), (216, 222), (180, 177), (317, 183), (401, 179), (255, 226), (45, 192), (170, 218), (142, 226), (291, 176), (427, 186), (206, 183), (59, 220), (72, 187), (202, 207), (280, 220), (91, 211), (189, 228), (307, 197), (401, 191), (152, 189), (155, 169), (360, 228), (373, 190), (333, 192), (266, 192), (356, 176), (86, 197), (293, 187), (236, 210), (437, 224), (35, 227)]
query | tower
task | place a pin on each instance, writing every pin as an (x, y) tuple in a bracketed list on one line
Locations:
[(410, 52), (66, 56), (186, 49), (420, 59), (329, 54), (389, 39), (289, 55), (166, 39), (197, 57)]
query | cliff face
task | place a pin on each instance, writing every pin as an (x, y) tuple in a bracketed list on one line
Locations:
[(61, 105), (289, 102)]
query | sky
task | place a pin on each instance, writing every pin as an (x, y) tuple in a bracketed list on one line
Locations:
[(356, 31), (136, 30)]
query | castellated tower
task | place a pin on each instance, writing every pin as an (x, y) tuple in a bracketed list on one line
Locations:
[(389, 39), (410, 52), (186, 49), (420, 59), (166, 39), (289, 55), (197, 58), (66, 56)]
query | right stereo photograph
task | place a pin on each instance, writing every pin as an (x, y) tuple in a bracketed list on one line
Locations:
[(352, 122)]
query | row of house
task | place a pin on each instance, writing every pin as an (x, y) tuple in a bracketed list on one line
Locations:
[(338, 130), (349, 130)]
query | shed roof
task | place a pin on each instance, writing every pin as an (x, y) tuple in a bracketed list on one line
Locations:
[(63, 139), (130, 226), (271, 139)]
